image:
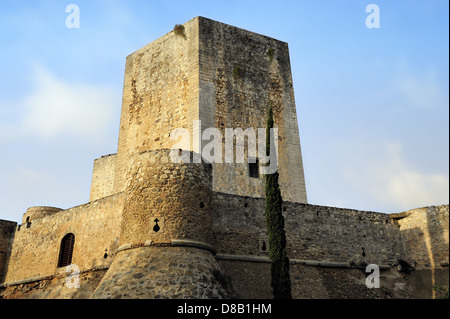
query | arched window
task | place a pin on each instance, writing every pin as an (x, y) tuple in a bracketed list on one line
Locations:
[(66, 250)]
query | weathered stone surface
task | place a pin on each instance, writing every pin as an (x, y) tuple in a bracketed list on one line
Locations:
[(7, 229), (175, 197), (309, 282), (231, 101), (162, 272), (425, 235), (35, 247), (102, 184), (55, 287)]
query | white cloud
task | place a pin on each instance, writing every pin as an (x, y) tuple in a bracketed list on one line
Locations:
[(424, 94), (415, 189), (383, 174), (420, 90), (24, 185), (402, 184), (49, 138), (56, 106)]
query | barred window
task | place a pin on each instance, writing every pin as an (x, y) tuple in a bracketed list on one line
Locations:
[(66, 250)]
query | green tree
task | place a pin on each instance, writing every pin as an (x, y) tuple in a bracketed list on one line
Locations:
[(280, 278), (441, 292)]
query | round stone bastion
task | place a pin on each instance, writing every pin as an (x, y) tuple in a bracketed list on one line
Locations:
[(38, 212), (165, 233)]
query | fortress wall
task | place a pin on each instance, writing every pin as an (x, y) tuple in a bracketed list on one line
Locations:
[(102, 184), (238, 224), (7, 229), (318, 233), (241, 74), (55, 287), (342, 235), (251, 280), (425, 234), (35, 250)]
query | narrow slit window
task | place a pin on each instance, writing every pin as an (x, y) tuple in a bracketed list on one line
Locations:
[(66, 250), (253, 169)]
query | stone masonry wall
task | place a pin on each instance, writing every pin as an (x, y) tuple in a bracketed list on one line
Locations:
[(241, 74), (36, 245), (425, 237), (173, 197), (102, 184), (342, 235), (7, 229), (55, 287), (162, 272), (251, 280), (320, 234), (313, 232), (425, 234)]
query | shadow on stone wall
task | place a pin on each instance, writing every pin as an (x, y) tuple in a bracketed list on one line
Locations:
[(425, 236), (437, 248), (7, 234)]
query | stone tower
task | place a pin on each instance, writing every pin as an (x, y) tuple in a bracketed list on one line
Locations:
[(212, 75), (203, 74)]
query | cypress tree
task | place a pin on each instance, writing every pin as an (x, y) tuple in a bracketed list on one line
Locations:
[(280, 278)]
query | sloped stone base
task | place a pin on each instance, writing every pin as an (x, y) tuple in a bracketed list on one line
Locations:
[(162, 272)]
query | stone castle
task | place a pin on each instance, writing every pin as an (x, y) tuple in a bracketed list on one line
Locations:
[(155, 228)]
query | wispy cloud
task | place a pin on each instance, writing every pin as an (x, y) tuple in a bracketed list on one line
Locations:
[(49, 138), (385, 175), (423, 91), (56, 106)]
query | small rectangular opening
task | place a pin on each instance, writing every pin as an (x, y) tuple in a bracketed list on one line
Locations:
[(253, 169)]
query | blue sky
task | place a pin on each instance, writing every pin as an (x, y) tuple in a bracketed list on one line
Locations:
[(372, 104)]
